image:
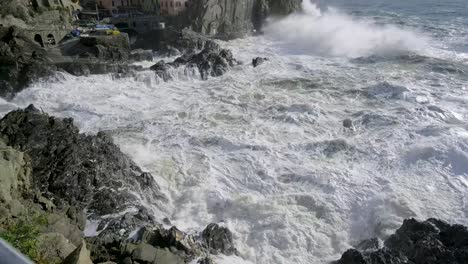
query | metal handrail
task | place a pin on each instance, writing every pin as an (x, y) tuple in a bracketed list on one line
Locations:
[(9, 255)]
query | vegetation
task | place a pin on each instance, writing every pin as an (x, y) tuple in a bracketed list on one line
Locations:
[(24, 234)]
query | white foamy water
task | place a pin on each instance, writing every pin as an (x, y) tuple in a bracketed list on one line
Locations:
[(333, 33), (264, 151)]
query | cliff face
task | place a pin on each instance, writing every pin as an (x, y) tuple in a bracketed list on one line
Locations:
[(233, 18)]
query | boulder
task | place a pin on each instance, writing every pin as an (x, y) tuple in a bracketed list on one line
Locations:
[(166, 256), (212, 61), (429, 242), (144, 253), (258, 61), (347, 123), (54, 247), (218, 239), (86, 171), (80, 255)]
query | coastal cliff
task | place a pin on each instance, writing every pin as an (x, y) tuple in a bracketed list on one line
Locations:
[(234, 18)]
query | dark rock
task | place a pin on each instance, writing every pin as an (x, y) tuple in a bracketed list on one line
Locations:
[(141, 55), (429, 242), (236, 18), (72, 168), (21, 62), (352, 256), (348, 123), (211, 61), (206, 261), (218, 239), (258, 61), (368, 245)]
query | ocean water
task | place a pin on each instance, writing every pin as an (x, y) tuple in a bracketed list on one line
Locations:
[(264, 151)]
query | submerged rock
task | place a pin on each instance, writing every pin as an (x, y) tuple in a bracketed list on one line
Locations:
[(429, 242), (258, 61), (72, 168)]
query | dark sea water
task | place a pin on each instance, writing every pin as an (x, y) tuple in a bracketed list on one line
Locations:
[(264, 151)]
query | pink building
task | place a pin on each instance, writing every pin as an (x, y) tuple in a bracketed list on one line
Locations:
[(174, 7)]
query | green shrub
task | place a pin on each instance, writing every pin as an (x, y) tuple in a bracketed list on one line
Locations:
[(24, 234)]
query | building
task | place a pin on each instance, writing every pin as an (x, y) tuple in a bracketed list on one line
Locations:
[(174, 7), (71, 5), (150, 6)]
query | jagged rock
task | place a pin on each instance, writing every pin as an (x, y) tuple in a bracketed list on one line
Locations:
[(57, 223), (258, 61), (54, 247), (72, 168), (368, 245), (211, 61), (81, 255), (429, 242), (107, 245), (219, 239), (77, 217), (21, 61), (14, 174), (234, 18)]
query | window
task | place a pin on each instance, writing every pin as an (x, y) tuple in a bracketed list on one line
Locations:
[(113, 3)]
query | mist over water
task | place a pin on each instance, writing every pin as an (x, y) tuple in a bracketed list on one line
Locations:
[(333, 33), (264, 151)]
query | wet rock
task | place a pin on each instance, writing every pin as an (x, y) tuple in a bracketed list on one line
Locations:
[(387, 90), (368, 245), (72, 168), (212, 61), (429, 242), (141, 55), (218, 239), (206, 261), (348, 123), (258, 61)]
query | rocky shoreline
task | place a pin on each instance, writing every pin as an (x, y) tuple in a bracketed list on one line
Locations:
[(55, 179), (67, 197), (56, 183)]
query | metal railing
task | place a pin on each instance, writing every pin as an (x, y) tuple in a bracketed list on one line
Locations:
[(9, 255)]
